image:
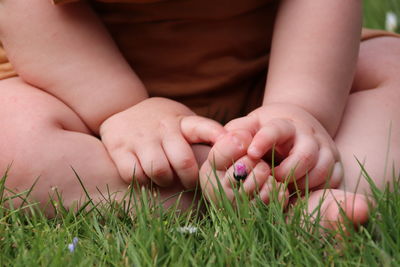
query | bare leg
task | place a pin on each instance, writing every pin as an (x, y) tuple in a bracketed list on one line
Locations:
[(372, 115), (42, 137)]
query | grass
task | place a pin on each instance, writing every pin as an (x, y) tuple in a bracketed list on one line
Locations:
[(257, 235), (140, 235), (375, 12)]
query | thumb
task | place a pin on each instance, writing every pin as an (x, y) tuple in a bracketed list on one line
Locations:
[(198, 129)]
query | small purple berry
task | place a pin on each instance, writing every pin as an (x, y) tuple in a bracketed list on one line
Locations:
[(240, 171)]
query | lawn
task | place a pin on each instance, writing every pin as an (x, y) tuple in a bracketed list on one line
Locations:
[(259, 235), (375, 12)]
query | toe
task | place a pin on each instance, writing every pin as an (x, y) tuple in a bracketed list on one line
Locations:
[(331, 205)]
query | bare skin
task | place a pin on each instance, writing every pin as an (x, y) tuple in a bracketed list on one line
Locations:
[(305, 97), (96, 94), (313, 112), (375, 85), (104, 92)]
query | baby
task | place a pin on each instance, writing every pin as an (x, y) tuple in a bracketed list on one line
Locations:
[(134, 89)]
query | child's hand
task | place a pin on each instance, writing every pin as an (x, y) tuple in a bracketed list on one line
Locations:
[(152, 140), (307, 148), (218, 171)]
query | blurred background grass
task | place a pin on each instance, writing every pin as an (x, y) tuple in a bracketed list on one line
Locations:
[(375, 12)]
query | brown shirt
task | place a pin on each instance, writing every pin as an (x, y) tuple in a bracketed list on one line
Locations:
[(209, 54)]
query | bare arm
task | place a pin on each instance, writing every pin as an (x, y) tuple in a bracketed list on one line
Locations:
[(65, 51), (313, 58)]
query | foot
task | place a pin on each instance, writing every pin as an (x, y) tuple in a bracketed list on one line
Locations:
[(333, 204)]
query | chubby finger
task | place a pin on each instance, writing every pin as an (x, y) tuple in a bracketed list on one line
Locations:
[(322, 171), (256, 179), (250, 183), (249, 123), (271, 187), (155, 164), (214, 181), (210, 182), (197, 129), (336, 177), (275, 132), (128, 166), (331, 207), (302, 158), (257, 172), (229, 148), (182, 159)]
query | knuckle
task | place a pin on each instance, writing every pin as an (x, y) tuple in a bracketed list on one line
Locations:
[(276, 123), (160, 170), (306, 157), (142, 180), (281, 123), (263, 169), (117, 144), (163, 124), (113, 145), (132, 173), (320, 173), (185, 163)]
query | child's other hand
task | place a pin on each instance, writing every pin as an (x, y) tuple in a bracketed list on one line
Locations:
[(217, 172), (152, 140), (309, 153)]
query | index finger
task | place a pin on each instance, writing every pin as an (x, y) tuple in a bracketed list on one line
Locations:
[(249, 123), (232, 146), (275, 132), (198, 129)]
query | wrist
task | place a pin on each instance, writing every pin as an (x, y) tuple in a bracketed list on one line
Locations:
[(146, 106), (95, 110), (329, 120)]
